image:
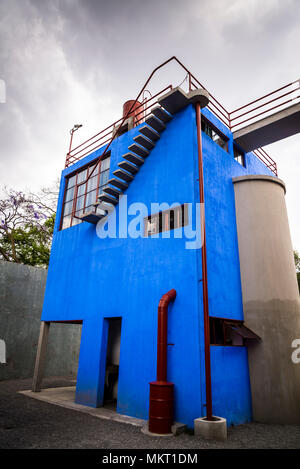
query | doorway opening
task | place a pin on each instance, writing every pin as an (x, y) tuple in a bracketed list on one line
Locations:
[(112, 363)]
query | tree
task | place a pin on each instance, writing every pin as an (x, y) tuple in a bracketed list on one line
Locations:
[(297, 265), (26, 226)]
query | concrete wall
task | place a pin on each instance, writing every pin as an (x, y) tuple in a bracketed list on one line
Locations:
[(21, 298), (270, 297)]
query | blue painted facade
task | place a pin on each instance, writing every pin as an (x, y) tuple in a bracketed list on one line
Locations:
[(92, 279)]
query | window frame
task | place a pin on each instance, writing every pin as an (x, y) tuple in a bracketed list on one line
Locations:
[(163, 218), (225, 323), (74, 199), (241, 153), (217, 131)]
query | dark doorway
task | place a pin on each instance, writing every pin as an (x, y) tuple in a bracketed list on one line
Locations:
[(112, 362)]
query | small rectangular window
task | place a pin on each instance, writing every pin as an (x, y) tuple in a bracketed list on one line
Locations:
[(214, 134), (239, 155), (86, 194), (167, 220)]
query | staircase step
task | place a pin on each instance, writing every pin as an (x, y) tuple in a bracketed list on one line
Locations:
[(155, 123), (138, 150), (113, 191), (145, 142), (134, 159), (108, 199), (123, 175), (91, 217), (131, 168), (118, 183), (149, 133), (174, 100), (102, 208), (161, 114)]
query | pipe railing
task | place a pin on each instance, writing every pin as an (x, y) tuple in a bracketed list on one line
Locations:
[(233, 120), (100, 139), (266, 159), (246, 114), (215, 106)]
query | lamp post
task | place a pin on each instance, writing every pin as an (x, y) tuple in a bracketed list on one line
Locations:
[(75, 127)]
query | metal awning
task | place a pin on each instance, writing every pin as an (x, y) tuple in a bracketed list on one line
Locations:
[(243, 331)]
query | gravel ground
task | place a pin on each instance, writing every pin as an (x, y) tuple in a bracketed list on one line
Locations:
[(28, 423)]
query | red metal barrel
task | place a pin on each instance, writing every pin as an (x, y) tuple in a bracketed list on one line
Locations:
[(137, 111), (161, 407)]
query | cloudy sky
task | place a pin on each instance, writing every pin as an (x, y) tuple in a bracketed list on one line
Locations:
[(77, 61)]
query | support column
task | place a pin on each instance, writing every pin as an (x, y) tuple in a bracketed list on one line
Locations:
[(40, 356)]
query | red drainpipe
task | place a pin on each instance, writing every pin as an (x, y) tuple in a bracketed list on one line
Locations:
[(204, 271), (162, 392)]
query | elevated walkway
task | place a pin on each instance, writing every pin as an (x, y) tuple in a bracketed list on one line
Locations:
[(270, 129)]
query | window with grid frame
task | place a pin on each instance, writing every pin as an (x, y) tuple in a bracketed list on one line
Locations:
[(87, 194)]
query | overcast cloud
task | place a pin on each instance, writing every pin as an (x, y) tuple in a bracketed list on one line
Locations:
[(77, 61)]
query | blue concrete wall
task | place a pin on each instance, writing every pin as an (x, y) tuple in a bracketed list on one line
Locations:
[(230, 384), (93, 279), (116, 277)]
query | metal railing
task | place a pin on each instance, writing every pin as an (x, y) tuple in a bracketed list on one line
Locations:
[(106, 135), (266, 159), (233, 120), (266, 105)]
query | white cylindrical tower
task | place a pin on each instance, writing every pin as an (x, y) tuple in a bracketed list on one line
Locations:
[(270, 297)]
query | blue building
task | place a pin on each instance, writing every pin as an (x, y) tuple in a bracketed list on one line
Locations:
[(113, 258)]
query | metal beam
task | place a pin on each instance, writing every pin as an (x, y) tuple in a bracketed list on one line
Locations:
[(271, 129)]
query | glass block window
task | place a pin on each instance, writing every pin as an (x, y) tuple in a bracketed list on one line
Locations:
[(87, 194), (214, 134)]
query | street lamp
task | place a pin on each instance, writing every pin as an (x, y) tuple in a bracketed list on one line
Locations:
[(75, 127)]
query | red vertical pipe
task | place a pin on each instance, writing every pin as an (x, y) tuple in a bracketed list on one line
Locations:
[(161, 405), (204, 270), (162, 334)]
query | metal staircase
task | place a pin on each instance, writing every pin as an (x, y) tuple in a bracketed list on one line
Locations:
[(128, 167), (149, 134)]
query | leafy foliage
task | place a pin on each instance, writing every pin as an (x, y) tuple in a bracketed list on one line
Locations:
[(26, 226), (297, 261)]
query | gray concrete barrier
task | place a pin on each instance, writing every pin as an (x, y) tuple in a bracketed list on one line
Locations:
[(21, 300)]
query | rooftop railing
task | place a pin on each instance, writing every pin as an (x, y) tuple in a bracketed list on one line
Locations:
[(234, 120), (266, 105)]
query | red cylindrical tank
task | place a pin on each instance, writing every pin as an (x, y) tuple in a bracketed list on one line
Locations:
[(137, 111), (161, 407)]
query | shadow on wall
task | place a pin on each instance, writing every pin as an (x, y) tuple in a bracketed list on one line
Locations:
[(21, 300)]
